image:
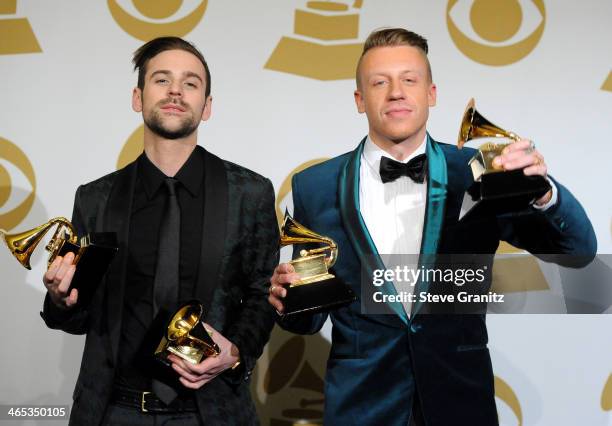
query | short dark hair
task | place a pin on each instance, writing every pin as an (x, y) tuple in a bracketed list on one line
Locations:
[(152, 48), (389, 37)]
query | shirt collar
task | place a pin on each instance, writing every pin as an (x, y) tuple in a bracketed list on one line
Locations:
[(190, 174), (372, 153)]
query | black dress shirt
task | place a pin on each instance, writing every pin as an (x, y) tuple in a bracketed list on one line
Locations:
[(146, 216)]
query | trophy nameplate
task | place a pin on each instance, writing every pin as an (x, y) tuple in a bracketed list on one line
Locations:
[(496, 190), (93, 252), (317, 288)]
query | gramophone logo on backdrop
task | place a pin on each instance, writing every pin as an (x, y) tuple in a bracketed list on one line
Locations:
[(160, 17), (324, 45), (16, 35), (607, 85), (15, 170), (293, 384), (496, 32)]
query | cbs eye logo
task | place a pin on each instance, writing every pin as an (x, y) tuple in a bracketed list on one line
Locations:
[(496, 32), (132, 148), (16, 173), (282, 201), (159, 18)]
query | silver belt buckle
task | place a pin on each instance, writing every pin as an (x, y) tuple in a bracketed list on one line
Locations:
[(142, 402)]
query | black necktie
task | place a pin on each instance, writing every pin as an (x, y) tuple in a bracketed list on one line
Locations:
[(415, 169), (166, 283)]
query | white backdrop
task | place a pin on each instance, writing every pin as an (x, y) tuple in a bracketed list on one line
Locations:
[(67, 108)]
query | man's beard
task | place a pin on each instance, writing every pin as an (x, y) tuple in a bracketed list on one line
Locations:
[(155, 123)]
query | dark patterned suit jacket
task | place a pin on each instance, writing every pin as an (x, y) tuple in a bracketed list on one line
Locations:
[(239, 253)]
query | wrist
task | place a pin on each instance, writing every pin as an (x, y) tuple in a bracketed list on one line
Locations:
[(235, 353), (544, 199)]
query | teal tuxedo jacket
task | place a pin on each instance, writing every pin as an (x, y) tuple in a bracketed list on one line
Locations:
[(379, 363)]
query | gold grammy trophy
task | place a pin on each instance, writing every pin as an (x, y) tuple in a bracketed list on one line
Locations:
[(317, 289), (495, 189), (186, 337), (93, 252)]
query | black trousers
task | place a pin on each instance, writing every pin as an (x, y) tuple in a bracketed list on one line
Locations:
[(118, 415), (416, 416)]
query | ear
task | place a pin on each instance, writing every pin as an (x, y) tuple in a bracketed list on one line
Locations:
[(207, 108), (432, 93), (137, 99), (359, 101)]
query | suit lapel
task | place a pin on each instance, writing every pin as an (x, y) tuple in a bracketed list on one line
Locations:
[(214, 228), (358, 234), (117, 219), (437, 186)]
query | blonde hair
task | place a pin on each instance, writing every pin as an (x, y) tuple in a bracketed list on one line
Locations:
[(390, 37)]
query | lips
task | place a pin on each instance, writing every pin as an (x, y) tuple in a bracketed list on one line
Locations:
[(398, 111), (172, 108)]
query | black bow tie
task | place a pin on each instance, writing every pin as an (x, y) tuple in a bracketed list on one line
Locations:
[(415, 169)]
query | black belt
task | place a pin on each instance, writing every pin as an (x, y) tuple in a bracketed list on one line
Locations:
[(148, 402)]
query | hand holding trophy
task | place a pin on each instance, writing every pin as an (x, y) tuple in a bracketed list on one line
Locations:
[(310, 287), (495, 189), (186, 337), (92, 253)]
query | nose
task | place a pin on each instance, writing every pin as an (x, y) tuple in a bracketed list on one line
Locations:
[(396, 90), (175, 89)]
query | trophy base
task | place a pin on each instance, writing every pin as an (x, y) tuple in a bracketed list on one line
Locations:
[(93, 258), (317, 296), (506, 192)]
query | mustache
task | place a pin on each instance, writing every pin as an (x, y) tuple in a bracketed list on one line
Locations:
[(174, 101)]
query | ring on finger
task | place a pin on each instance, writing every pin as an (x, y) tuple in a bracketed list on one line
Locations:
[(531, 147)]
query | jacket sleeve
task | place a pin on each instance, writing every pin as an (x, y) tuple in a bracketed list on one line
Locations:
[(76, 320), (251, 331), (303, 323), (562, 234)]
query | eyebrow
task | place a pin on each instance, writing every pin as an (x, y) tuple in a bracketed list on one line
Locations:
[(186, 74), (378, 74), (384, 73)]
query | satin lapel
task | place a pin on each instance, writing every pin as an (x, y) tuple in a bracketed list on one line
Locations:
[(357, 232), (214, 229), (437, 183), (117, 219)]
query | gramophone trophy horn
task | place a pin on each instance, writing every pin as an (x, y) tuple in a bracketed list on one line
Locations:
[(474, 126), (313, 264), (186, 337), (317, 288), (495, 189), (23, 244), (93, 252)]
